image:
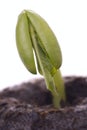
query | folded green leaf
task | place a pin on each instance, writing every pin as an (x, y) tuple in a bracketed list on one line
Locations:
[(24, 43), (48, 41)]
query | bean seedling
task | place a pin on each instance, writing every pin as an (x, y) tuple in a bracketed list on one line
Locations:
[(35, 39)]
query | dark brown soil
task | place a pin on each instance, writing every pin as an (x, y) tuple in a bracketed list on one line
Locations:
[(28, 106)]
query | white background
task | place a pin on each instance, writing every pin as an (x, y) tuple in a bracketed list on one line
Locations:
[(67, 18)]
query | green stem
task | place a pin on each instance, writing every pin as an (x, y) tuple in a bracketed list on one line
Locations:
[(59, 83)]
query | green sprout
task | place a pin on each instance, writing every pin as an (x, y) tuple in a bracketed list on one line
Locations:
[(36, 40)]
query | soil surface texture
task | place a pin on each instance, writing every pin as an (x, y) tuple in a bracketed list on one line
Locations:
[(28, 106)]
